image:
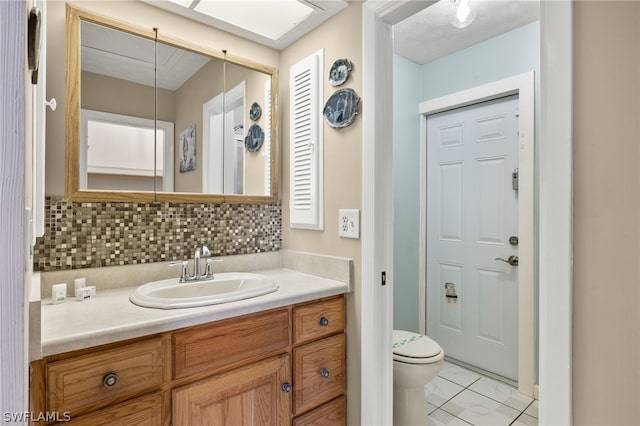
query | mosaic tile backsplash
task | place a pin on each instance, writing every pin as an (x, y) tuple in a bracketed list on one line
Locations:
[(95, 234)]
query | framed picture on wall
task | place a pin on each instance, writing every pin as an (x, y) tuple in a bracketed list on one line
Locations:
[(188, 149)]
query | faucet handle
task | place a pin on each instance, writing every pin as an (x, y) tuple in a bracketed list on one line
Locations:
[(184, 274), (209, 269)]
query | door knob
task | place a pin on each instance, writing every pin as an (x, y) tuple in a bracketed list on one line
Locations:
[(512, 260)]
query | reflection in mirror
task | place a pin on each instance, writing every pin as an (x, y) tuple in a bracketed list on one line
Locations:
[(247, 161), (117, 111), (130, 85), (214, 101), (229, 167), (208, 117), (121, 152), (223, 142)]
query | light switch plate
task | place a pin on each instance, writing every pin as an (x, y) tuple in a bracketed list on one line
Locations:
[(349, 223)]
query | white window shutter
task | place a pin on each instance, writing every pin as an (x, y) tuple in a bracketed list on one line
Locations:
[(305, 144)]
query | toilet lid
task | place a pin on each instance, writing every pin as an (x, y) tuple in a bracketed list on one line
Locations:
[(412, 345)]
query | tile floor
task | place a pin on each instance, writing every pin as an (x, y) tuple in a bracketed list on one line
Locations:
[(458, 396)]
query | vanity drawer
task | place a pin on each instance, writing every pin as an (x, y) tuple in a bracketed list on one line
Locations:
[(330, 414), (94, 380), (228, 343), (146, 410), (318, 319), (318, 372)]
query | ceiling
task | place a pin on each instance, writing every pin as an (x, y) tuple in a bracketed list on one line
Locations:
[(420, 38), (125, 56), (429, 34)]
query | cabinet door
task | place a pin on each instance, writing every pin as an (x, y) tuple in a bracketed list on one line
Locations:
[(250, 395)]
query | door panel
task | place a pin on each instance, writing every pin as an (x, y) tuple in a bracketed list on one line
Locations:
[(451, 210), (450, 314), (472, 210), (490, 220)]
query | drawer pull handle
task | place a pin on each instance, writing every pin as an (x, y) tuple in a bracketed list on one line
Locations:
[(324, 373), (110, 379), (324, 321), (286, 387)]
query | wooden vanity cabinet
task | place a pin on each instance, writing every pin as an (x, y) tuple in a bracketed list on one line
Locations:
[(279, 367)]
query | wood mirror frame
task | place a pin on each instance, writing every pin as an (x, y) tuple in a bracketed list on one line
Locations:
[(73, 192)]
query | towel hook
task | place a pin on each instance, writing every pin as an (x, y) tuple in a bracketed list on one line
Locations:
[(51, 104)]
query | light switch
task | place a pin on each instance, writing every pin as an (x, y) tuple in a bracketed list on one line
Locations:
[(349, 225)]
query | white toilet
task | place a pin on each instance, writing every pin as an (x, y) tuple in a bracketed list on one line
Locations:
[(417, 360)]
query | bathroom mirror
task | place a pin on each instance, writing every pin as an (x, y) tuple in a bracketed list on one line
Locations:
[(151, 118)]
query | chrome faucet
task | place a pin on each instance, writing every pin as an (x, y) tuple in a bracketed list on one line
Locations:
[(200, 252)]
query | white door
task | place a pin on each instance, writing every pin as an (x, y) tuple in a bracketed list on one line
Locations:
[(472, 212)]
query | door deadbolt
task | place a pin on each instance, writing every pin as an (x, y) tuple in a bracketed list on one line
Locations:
[(512, 260), (513, 240)]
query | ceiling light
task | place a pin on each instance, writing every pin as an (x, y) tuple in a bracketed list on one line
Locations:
[(461, 14)]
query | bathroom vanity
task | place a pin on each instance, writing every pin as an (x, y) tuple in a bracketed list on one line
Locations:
[(277, 359), (274, 359)]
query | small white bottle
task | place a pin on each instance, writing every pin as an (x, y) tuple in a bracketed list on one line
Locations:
[(78, 284), (58, 293)]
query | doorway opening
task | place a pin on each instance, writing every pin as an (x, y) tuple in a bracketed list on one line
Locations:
[(554, 195)]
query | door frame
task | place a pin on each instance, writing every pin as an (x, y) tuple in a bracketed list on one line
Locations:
[(213, 171), (523, 86), (555, 210), (16, 135)]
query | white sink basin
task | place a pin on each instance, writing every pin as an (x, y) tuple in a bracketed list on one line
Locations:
[(223, 288)]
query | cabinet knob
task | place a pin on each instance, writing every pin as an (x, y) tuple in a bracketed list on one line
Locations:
[(324, 321), (324, 373), (286, 387), (110, 379)]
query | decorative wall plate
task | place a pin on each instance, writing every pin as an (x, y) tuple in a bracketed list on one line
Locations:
[(341, 108), (255, 137), (339, 72), (255, 111)]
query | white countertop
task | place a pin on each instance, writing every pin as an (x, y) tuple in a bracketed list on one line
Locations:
[(111, 317)]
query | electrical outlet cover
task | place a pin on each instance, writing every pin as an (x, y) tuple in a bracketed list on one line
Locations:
[(349, 223)]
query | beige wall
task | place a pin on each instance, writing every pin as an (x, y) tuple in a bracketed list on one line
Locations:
[(341, 37), (140, 15), (606, 325)]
